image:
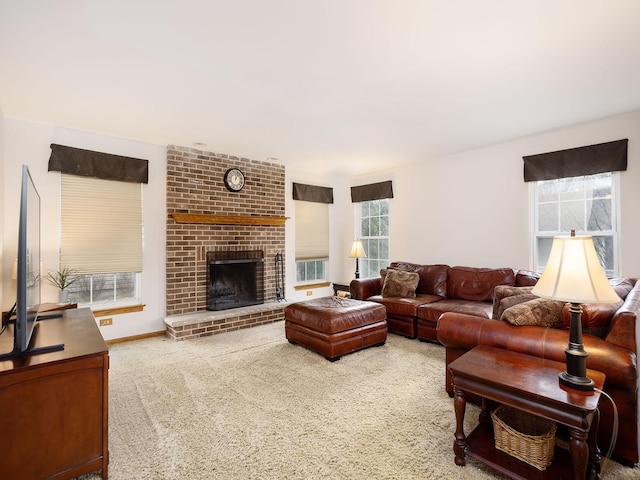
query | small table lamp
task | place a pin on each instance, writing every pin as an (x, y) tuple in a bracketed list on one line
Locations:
[(573, 274), (357, 251)]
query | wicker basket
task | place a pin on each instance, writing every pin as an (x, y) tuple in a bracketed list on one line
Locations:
[(523, 436)]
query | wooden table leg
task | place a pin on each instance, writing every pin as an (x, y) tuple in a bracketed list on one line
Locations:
[(579, 450), (485, 415), (595, 458), (459, 444)]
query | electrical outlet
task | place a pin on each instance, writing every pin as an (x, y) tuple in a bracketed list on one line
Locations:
[(309, 293), (106, 321)]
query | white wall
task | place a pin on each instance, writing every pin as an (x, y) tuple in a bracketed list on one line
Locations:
[(28, 143), (472, 208), (2, 194), (294, 174)]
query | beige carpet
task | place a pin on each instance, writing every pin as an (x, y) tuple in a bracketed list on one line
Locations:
[(248, 405)]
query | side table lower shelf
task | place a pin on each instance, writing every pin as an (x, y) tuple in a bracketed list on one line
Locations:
[(480, 445)]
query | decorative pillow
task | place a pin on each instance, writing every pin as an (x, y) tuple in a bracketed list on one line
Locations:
[(508, 302), (504, 291), (400, 284), (622, 286), (401, 267), (541, 312)]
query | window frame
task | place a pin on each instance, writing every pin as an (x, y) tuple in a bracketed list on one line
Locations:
[(614, 232), (364, 263)]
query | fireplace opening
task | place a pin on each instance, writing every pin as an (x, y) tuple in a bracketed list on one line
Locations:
[(235, 279)]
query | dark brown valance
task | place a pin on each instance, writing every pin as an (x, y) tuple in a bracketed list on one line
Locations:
[(576, 162), (87, 163), (312, 193), (373, 191)]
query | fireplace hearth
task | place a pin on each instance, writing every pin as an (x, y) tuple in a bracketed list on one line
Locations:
[(235, 279)]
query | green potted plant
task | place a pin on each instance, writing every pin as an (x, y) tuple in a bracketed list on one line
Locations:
[(62, 279)]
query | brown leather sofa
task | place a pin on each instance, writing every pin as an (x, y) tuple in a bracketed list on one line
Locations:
[(615, 354), (454, 306), (440, 289)]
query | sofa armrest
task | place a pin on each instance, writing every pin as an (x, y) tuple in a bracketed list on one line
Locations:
[(623, 331), (463, 332), (363, 288)]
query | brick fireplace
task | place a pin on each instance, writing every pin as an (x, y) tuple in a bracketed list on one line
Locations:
[(203, 216)]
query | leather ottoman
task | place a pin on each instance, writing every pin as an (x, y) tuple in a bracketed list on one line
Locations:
[(334, 326)]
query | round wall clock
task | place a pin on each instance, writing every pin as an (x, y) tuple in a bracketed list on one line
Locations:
[(234, 180)]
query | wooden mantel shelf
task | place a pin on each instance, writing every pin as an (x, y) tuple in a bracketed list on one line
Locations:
[(211, 219)]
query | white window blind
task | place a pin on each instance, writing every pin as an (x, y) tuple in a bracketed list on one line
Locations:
[(101, 225), (312, 230)]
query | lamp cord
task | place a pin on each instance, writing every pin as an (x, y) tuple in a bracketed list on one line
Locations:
[(614, 433)]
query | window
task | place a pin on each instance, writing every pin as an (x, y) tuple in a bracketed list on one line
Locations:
[(105, 288), (101, 239), (373, 230), (586, 204), (312, 241), (310, 270)]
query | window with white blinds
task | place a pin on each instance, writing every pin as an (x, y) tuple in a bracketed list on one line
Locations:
[(101, 225), (312, 231)]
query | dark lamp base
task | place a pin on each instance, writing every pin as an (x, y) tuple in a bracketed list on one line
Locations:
[(577, 383)]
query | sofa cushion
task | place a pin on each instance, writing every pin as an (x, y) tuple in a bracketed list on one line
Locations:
[(405, 307), (505, 291), (432, 311), (526, 278), (477, 284), (400, 284), (433, 278), (541, 312)]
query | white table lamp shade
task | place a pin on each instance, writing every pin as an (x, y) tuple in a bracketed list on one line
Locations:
[(573, 273)]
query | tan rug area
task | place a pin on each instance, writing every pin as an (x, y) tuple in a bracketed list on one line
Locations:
[(248, 405)]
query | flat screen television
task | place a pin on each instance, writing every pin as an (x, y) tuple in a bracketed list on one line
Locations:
[(28, 289)]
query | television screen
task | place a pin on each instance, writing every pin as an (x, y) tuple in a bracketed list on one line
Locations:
[(28, 275)]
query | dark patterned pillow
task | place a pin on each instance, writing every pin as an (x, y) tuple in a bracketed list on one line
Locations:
[(541, 312), (504, 291), (383, 272), (400, 284), (508, 302)]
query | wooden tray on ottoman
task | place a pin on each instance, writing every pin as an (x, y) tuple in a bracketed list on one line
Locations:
[(334, 326)]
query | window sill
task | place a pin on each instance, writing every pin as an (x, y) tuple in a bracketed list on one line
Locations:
[(307, 286), (103, 312)]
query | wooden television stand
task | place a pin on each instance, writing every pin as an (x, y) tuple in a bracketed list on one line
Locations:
[(54, 406)]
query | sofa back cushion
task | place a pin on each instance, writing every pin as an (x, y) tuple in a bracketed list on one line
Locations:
[(477, 284), (526, 278), (433, 278)]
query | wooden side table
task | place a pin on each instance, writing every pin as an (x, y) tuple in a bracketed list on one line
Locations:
[(529, 384)]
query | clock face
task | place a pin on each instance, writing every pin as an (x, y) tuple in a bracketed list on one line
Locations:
[(234, 179)]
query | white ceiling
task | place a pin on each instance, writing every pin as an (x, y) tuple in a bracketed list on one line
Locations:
[(322, 85)]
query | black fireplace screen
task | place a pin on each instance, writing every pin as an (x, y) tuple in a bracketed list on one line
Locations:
[(235, 279)]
